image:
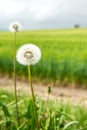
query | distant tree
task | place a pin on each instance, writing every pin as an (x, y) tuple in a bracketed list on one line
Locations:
[(76, 26)]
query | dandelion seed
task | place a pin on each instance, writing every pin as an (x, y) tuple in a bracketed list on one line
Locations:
[(28, 54), (15, 26)]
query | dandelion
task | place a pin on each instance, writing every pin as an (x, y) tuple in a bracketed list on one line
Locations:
[(29, 54), (15, 27)]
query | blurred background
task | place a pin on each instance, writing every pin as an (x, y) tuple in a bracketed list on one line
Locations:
[(58, 27)]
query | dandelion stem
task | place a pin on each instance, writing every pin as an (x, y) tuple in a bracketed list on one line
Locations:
[(15, 89), (33, 98)]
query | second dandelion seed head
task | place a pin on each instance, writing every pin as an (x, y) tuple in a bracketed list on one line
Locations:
[(15, 26)]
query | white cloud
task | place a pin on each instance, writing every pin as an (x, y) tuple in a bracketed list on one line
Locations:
[(41, 11), (44, 14), (8, 8)]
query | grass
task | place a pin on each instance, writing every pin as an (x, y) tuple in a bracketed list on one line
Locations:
[(54, 115), (64, 59), (64, 54)]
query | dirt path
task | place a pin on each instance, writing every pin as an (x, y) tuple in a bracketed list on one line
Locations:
[(74, 95)]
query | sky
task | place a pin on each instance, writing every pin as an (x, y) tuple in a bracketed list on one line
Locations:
[(43, 14)]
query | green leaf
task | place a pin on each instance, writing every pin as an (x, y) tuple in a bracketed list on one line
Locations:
[(5, 109), (69, 124)]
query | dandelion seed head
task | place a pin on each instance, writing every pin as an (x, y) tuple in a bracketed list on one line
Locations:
[(28, 54), (15, 26)]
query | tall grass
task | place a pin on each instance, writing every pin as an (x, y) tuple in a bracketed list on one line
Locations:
[(64, 54), (54, 115)]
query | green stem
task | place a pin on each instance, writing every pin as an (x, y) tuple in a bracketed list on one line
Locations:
[(15, 89), (33, 98)]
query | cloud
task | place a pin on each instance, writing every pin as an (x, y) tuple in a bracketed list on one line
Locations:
[(41, 11), (37, 14), (9, 8)]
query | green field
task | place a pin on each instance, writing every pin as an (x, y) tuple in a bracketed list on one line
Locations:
[(64, 54)]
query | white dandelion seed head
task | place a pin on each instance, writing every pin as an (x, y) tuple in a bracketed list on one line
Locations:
[(28, 54), (15, 26)]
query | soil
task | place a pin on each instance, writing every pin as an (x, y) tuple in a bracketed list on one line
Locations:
[(70, 94)]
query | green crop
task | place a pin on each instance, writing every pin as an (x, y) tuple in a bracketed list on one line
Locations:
[(64, 54)]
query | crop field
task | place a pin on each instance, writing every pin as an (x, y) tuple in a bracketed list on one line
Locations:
[(64, 54), (64, 60)]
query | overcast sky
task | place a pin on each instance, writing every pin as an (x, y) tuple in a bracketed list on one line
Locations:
[(43, 14)]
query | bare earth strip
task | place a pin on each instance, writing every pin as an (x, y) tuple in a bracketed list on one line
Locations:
[(74, 95)]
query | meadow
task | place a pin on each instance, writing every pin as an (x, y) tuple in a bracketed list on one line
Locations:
[(52, 115), (64, 60), (64, 54)]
